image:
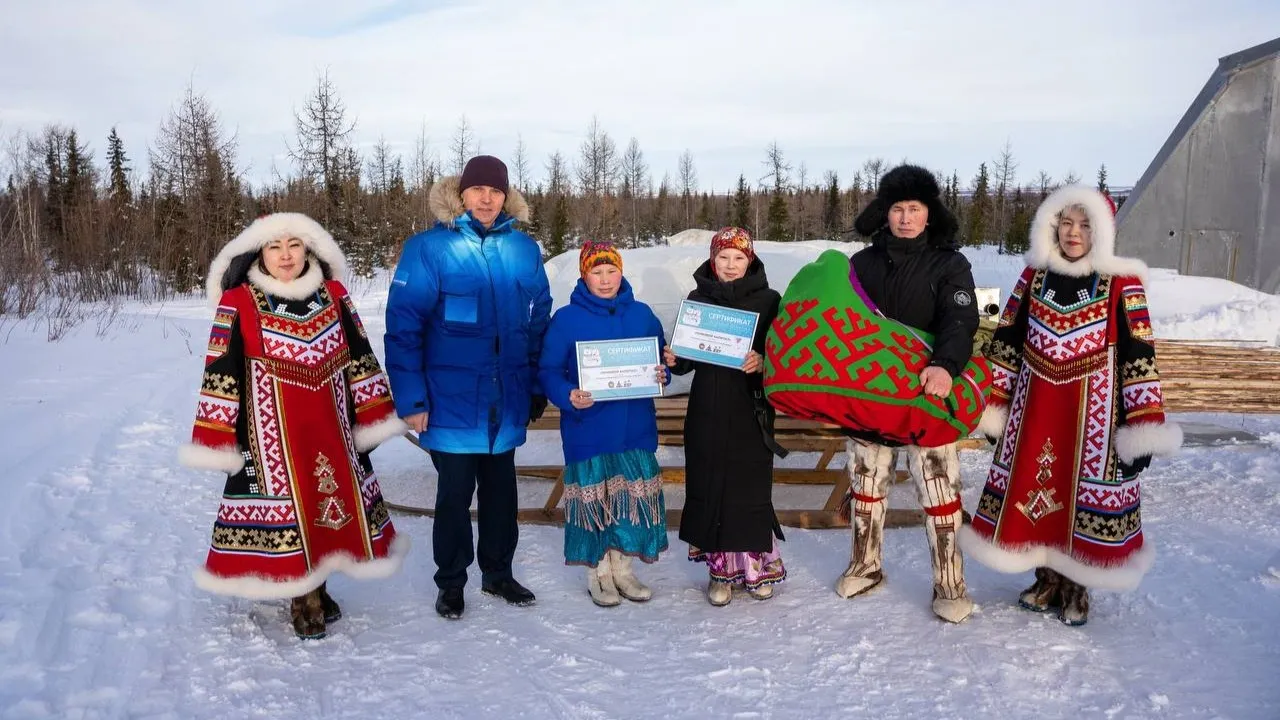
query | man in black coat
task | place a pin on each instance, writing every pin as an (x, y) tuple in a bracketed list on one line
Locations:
[(914, 273)]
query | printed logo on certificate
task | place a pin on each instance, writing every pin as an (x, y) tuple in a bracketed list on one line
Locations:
[(713, 334), (619, 369)]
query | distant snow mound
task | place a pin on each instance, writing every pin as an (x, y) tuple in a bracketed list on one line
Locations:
[(691, 238)]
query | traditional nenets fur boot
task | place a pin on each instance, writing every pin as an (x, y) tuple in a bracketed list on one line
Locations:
[(935, 471), (1045, 593), (332, 613), (307, 614), (1075, 603)]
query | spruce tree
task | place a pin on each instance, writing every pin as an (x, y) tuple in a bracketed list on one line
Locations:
[(78, 180), (55, 179), (1017, 239), (705, 220), (742, 204), (1102, 180), (979, 208), (660, 225), (855, 193), (557, 241), (831, 223), (778, 223), (118, 163), (539, 203)]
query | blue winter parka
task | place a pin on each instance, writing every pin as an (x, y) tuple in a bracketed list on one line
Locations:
[(466, 315), (608, 427)]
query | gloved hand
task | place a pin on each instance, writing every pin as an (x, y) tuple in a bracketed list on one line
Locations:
[(1134, 468), (537, 406)]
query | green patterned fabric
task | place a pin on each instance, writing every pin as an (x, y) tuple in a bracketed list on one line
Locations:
[(831, 357)]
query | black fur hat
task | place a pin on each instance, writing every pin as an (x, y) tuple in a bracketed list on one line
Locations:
[(909, 182)]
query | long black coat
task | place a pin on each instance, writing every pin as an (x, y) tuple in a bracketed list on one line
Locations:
[(728, 465)]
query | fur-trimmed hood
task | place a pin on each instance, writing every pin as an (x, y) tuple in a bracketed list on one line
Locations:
[(1045, 254), (445, 201), (236, 263)]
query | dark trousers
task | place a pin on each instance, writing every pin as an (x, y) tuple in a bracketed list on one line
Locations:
[(496, 507)]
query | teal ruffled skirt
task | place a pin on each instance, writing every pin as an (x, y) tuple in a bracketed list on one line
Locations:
[(614, 502)]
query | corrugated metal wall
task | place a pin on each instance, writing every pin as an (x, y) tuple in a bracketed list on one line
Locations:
[(1213, 206)]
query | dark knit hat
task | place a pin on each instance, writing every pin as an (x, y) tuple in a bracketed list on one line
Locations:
[(484, 170), (903, 183)]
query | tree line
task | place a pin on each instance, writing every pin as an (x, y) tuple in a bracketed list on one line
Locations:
[(147, 224)]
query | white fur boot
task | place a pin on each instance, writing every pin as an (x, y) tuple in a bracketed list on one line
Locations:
[(600, 584), (953, 610), (719, 593), (629, 586)]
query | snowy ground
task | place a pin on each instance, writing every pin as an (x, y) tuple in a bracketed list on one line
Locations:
[(99, 617)]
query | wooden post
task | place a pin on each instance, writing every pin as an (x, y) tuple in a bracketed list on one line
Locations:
[(557, 492)]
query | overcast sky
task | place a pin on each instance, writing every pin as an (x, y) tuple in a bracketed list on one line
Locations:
[(941, 83)]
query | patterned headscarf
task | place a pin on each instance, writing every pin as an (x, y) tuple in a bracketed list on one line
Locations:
[(598, 253), (733, 237)]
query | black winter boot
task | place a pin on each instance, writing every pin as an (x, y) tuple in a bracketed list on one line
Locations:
[(450, 604), (510, 590)]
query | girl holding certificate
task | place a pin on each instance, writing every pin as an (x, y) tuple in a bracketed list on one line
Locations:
[(614, 509), (728, 518)]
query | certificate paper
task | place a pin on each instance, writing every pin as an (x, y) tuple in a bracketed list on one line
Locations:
[(619, 369), (713, 334)]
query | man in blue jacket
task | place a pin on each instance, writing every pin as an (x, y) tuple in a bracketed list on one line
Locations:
[(466, 314)]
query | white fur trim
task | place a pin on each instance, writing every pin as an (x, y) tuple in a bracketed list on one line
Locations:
[(202, 457), (994, 419), (368, 437), (297, 289), (1125, 576), (277, 226), (260, 588), (445, 201), (1141, 439), (1045, 254)]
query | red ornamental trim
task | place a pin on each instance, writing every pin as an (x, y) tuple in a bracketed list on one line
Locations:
[(944, 510), (311, 378)]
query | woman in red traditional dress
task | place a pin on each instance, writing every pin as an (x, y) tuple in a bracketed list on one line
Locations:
[(292, 402), (1077, 406)]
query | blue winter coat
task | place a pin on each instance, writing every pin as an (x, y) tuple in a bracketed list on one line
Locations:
[(466, 315), (606, 427)]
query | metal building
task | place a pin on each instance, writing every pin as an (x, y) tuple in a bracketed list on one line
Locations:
[(1209, 204)]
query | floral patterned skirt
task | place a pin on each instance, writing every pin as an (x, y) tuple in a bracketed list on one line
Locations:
[(752, 569)]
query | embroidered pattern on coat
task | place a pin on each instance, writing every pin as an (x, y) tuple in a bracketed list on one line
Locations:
[(324, 473), (1084, 371), (1040, 502), (287, 369)]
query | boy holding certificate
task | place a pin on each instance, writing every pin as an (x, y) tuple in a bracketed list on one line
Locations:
[(728, 518), (614, 508)]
